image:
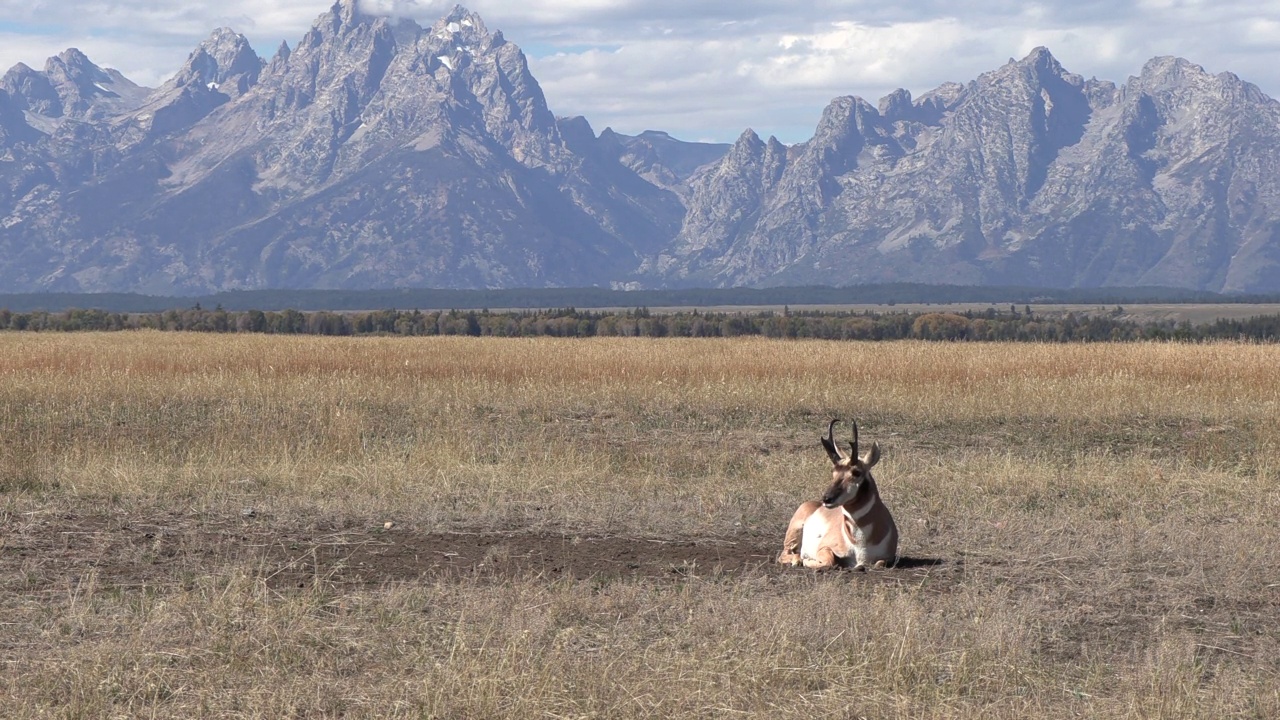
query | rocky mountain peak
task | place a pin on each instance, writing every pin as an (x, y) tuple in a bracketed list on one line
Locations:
[(342, 14), (32, 90), (1169, 70), (461, 21), (73, 73), (581, 138), (71, 85), (232, 51), (343, 19), (844, 117), (224, 61), (1038, 68), (896, 105), (72, 64), (458, 36), (746, 149), (1041, 59), (375, 152), (347, 10), (280, 60), (1175, 82), (942, 98)]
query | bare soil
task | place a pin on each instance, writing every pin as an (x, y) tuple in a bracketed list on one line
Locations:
[(49, 553), (123, 552)]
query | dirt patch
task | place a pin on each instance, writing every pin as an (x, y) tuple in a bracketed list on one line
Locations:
[(124, 552), (1080, 602)]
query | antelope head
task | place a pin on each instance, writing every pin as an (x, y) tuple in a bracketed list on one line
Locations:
[(850, 471)]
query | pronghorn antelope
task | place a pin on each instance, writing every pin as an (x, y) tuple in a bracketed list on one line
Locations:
[(851, 526)]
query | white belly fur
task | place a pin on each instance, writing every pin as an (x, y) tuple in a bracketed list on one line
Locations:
[(816, 528), (820, 523)]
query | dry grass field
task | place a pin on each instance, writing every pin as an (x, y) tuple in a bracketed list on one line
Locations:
[(265, 527)]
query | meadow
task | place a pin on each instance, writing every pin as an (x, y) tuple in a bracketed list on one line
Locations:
[(252, 526)]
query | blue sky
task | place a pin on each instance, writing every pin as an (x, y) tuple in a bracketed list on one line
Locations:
[(707, 70)]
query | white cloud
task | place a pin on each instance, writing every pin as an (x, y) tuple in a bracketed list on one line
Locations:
[(708, 69)]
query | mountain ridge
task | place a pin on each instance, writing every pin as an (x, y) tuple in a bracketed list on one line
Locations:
[(376, 152), (1029, 175)]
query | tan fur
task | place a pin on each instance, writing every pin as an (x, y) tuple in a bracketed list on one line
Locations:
[(791, 543)]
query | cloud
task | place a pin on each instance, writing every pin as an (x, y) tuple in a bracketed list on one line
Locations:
[(147, 40), (706, 70), (390, 8)]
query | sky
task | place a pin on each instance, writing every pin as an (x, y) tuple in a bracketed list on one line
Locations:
[(708, 70)]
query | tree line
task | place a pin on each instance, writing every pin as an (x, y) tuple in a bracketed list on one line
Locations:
[(594, 297), (991, 324)]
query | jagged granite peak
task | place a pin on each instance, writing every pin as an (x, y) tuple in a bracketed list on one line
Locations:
[(357, 67), (1173, 76), (346, 10), (939, 101), (32, 90), (378, 153), (725, 202), (1043, 60), (654, 155), (72, 86), (287, 183), (1167, 70), (464, 23), (88, 91), (682, 159), (579, 136), (1011, 123), (503, 84), (1028, 175), (781, 193), (897, 105), (842, 131), (225, 61), (745, 151), (72, 65), (222, 67), (279, 60)]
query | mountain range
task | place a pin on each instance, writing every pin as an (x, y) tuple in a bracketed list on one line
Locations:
[(377, 153)]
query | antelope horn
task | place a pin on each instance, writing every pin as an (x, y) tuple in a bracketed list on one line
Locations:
[(831, 439), (853, 444)]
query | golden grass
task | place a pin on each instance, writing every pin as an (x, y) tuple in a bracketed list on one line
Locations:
[(1106, 517)]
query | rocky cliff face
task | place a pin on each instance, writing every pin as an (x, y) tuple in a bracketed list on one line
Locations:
[(378, 153), (375, 153), (1027, 175), (71, 86)]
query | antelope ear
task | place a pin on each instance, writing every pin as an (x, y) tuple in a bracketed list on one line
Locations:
[(832, 451), (873, 455)]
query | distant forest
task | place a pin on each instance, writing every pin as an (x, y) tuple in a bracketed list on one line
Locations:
[(542, 298), (1012, 324)]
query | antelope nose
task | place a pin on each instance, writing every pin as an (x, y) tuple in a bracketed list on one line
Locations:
[(829, 499)]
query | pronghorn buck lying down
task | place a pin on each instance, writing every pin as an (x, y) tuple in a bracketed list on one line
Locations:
[(851, 527)]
